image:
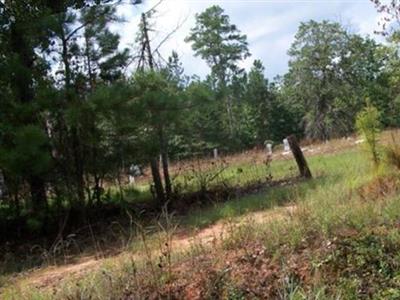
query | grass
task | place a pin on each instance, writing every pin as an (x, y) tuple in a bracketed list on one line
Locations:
[(340, 242), (343, 166)]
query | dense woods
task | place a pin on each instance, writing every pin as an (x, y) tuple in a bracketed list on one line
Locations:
[(77, 110)]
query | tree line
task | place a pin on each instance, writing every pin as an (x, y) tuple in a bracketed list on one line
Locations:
[(77, 109)]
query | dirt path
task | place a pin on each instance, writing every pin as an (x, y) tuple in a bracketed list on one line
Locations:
[(182, 240)]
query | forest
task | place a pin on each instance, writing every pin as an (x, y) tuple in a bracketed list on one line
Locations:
[(93, 133)]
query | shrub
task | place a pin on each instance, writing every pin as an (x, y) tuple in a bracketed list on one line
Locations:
[(369, 126)]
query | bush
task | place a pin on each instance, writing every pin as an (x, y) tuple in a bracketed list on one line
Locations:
[(369, 126)]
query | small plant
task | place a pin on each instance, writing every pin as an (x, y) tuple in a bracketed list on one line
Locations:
[(204, 174), (369, 126)]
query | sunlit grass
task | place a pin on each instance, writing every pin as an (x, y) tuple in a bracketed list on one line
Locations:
[(331, 171), (324, 206)]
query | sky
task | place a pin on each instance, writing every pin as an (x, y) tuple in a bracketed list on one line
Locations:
[(270, 26)]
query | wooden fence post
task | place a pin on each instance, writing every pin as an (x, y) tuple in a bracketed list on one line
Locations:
[(299, 157)]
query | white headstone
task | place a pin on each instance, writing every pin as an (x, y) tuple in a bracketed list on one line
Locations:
[(286, 146), (269, 149), (134, 171), (215, 153)]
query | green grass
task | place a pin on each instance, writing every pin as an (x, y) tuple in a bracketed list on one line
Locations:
[(328, 207), (234, 175), (330, 171)]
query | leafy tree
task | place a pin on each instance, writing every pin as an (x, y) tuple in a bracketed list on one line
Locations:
[(89, 58), (222, 46), (330, 72), (157, 103), (175, 70), (103, 59), (199, 129), (146, 62), (22, 34), (259, 100), (218, 42), (389, 28)]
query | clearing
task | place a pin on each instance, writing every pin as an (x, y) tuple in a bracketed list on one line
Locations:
[(294, 229)]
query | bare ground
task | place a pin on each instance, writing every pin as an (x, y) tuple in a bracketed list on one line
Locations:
[(52, 276)]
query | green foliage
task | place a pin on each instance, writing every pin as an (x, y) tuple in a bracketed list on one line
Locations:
[(367, 264), (369, 126), (218, 42), (103, 58), (200, 128), (28, 155), (34, 225), (315, 87), (222, 46), (157, 104), (73, 116)]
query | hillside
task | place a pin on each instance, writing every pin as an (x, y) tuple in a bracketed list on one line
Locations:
[(333, 237)]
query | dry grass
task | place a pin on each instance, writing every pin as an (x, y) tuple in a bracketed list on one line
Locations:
[(281, 253)]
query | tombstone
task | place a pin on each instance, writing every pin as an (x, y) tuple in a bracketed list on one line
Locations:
[(269, 148), (286, 146), (215, 153), (134, 170)]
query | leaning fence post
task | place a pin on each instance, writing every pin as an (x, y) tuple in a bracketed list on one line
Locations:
[(299, 157)]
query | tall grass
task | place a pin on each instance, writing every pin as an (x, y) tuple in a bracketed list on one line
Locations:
[(325, 210)]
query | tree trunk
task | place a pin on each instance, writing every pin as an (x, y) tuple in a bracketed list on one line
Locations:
[(164, 161), (167, 178), (299, 157), (158, 186), (97, 188), (17, 207), (77, 155), (38, 194), (155, 170), (78, 164)]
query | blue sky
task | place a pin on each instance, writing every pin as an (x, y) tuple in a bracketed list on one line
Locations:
[(270, 25)]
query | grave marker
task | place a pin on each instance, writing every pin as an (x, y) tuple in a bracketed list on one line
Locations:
[(215, 153), (134, 170), (286, 146), (269, 149)]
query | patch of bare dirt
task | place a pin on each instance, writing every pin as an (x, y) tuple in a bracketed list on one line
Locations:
[(52, 276)]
